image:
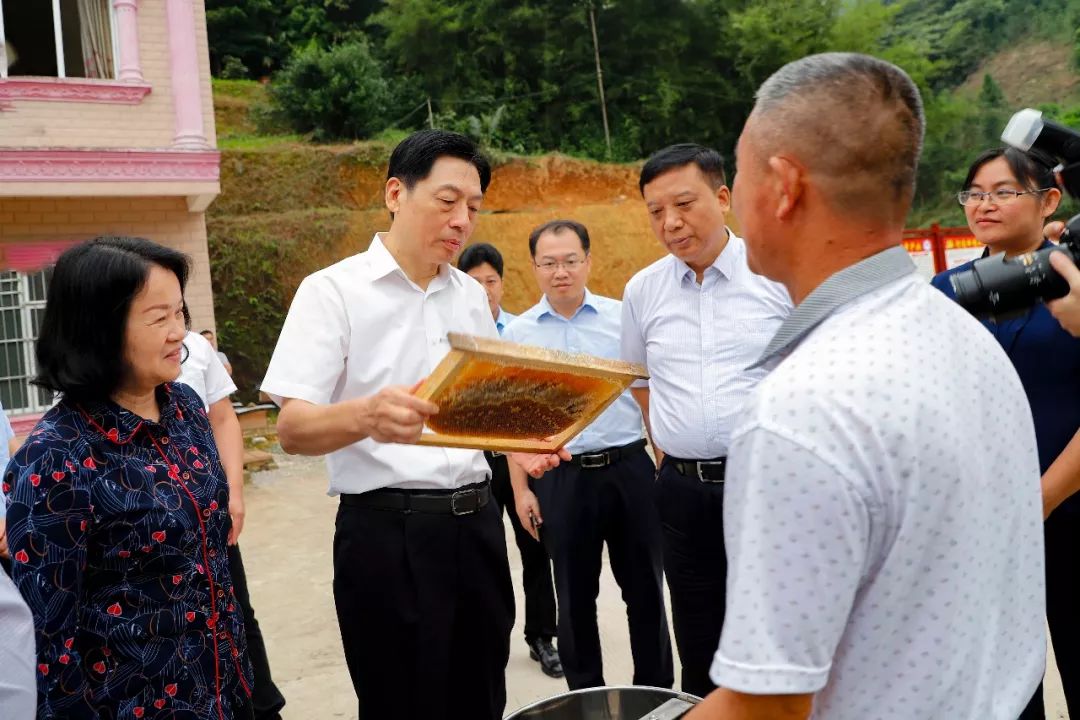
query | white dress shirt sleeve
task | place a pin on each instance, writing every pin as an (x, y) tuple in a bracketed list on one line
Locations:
[(218, 383), (797, 534), (204, 372), (632, 342), (311, 351), (6, 434), (18, 691)]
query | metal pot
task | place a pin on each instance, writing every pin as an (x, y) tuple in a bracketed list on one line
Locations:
[(610, 703)]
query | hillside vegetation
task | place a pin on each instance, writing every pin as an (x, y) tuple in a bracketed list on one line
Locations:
[(520, 77)]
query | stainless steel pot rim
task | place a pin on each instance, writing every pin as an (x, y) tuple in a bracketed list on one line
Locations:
[(677, 694)]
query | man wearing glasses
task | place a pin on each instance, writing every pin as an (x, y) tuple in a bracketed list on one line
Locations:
[(604, 494)]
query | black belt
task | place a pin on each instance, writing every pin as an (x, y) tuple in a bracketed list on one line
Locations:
[(463, 501), (707, 471), (602, 458)]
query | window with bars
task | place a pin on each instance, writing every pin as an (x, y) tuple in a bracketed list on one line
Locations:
[(22, 304), (57, 38)]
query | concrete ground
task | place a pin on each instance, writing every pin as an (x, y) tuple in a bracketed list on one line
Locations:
[(287, 552)]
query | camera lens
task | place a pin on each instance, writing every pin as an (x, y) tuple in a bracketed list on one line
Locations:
[(1000, 287), (970, 294)]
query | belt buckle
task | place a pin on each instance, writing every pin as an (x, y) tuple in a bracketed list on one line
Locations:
[(710, 463), (593, 461), (459, 494)]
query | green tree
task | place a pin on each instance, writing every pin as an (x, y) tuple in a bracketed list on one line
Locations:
[(246, 30), (323, 23), (991, 96), (263, 34), (472, 57), (771, 33), (340, 93), (993, 111)]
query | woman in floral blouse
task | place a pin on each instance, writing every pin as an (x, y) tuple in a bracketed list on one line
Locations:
[(118, 508)]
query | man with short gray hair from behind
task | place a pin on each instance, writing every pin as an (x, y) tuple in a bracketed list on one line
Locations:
[(883, 518)]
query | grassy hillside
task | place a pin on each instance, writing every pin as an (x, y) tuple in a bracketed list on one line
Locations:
[(1030, 73)]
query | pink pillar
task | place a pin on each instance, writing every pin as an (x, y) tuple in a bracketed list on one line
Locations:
[(127, 31), (184, 59)]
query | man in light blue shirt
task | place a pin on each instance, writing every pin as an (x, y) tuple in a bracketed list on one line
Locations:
[(484, 263), (605, 494)]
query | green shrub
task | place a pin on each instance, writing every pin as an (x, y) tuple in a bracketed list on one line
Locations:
[(232, 68), (335, 94)]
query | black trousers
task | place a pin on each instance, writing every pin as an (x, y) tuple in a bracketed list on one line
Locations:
[(1062, 534), (266, 699), (535, 564), (425, 608), (692, 518), (583, 508)]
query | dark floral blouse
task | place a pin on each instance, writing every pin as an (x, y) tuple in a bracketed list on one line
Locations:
[(117, 528)]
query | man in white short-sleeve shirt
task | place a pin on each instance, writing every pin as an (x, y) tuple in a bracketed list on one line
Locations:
[(697, 319), (421, 578), (204, 371), (883, 513)]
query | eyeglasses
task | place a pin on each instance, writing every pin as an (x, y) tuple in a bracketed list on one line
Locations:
[(974, 198), (549, 266)]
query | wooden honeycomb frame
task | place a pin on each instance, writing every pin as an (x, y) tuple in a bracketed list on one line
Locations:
[(475, 364)]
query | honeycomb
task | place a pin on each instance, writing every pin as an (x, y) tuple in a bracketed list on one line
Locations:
[(489, 399)]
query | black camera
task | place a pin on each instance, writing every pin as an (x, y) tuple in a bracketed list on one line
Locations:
[(999, 287)]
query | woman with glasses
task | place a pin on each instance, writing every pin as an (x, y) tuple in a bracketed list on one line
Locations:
[(118, 506), (1008, 197)]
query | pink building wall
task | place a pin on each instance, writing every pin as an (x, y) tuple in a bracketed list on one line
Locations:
[(148, 124), (128, 156), (162, 219)]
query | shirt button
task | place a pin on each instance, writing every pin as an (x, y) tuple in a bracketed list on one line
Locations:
[(186, 476), (164, 441)]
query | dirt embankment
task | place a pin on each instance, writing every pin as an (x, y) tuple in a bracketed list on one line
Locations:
[(287, 211), (272, 194)]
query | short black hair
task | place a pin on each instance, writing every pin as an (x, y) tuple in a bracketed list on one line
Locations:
[(414, 156), (1033, 169), (556, 226), (80, 347), (709, 161), (478, 254)]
